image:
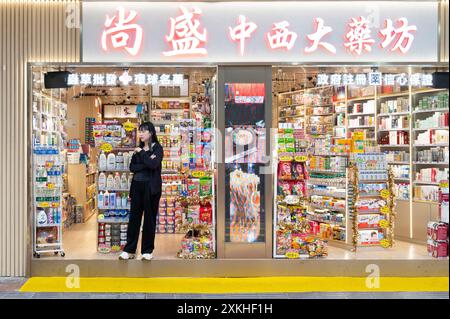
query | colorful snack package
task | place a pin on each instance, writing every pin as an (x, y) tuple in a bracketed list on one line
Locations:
[(205, 187), (194, 187), (285, 170), (298, 171), (298, 188), (284, 188)]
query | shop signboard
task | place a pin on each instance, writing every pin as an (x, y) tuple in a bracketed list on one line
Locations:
[(269, 32)]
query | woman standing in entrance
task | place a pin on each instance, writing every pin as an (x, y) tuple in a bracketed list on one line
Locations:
[(145, 193)]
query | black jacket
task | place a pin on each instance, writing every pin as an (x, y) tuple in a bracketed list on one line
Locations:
[(149, 169)]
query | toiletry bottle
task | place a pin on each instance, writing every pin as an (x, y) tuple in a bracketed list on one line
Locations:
[(124, 182), (106, 200), (119, 161), (111, 162), (102, 181), (112, 200), (117, 181), (100, 200), (110, 182), (102, 161), (124, 200)]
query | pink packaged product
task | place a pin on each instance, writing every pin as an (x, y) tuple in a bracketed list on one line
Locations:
[(439, 249), (437, 231), (162, 220)]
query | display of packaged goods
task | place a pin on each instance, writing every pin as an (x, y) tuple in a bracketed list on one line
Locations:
[(169, 104), (112, 237), (89, 131), (370, 162), (394, 122), (114, 134), (439, 101), (401, 191), (432, 155), (370, 205), (371, 189), (394, 138), (398, 105), (370, 237), (361, 121), (397, 156), (431, 137), (427, 193), (431, 175), (362, 108), (436, 120), (400, 171)]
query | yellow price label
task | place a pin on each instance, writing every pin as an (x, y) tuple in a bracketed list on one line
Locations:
[(385, 209), (292, 255), (50, 186), (443, 185), (384, 193), (286, 158), (44, 204), (301, 158), (198, 174), (129, 126), (384, 223), (55, 205), (106, 147), (385, 243), (49, 164)]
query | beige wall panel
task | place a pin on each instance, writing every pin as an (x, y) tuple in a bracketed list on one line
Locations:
[(30, 31)]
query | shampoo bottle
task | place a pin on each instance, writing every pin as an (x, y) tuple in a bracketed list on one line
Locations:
[(110, 182), (102, 161), (117, 181), (100, 200), (102, 181), (111, 162)]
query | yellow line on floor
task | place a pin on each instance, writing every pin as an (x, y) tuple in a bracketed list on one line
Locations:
[(234, 285)]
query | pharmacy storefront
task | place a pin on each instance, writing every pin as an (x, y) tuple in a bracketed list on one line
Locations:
[(299, 138)]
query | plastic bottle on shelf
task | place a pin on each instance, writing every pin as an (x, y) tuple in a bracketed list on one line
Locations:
[(130, 179), (100, 200), (106, 200), (111, 162), (110, 182), (123, 181), (102, 161), (117, 181), (112, 200), (102, 181), (119, 161), (124, 200), (126, 160), (118, 201)]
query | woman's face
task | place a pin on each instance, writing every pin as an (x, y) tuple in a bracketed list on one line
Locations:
[(145, 136)]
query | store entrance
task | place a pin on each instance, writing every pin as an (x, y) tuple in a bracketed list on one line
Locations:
[(84, 133)]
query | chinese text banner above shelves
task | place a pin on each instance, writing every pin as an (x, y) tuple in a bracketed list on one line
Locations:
[(267, 32)]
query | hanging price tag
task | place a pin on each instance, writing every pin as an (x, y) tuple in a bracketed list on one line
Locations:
[(44, 204), (50, 186), (384, 193), (286, 158), (129, 126), (292, 255), (106, 147), (443, 185), (301, 158), (385, 243), (384, 223), (198, 174), (385, 209)]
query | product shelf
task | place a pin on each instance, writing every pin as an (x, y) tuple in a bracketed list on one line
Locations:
[(430, 111)]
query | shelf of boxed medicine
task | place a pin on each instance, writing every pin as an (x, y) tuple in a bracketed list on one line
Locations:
[(47, 196)]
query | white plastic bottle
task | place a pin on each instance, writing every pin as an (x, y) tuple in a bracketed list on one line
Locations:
[(111, 162), (102, 161), (100, 200), (117, 181), (110, 182), (106, 200), (123, 182), (118, 201), (126, 160), (102, 181), (119, 160)]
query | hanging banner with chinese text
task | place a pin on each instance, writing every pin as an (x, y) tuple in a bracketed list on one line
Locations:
[(266, 32)]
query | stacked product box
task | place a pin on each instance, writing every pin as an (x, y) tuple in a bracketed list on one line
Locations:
[(437, 243)]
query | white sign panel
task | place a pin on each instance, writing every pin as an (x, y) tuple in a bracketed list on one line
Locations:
[(260, 31)]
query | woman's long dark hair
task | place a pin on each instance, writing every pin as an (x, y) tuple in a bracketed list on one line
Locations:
[(148, 126)]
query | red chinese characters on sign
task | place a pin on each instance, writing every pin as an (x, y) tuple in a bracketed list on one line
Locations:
[(318, 35), (280, 37), (185, 35), (358, 38), (242, 32), (121, 32), (402, 36)]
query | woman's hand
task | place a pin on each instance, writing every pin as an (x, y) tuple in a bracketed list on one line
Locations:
[(153, 156), (137, 149)]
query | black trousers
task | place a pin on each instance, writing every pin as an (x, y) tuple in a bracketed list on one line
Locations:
[(142, 201)]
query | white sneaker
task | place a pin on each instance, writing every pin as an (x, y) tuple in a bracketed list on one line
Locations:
[(126, 256), (147, 256)]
